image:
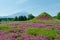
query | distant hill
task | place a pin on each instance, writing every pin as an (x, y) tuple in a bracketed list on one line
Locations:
[(44, 16), (16, 14)]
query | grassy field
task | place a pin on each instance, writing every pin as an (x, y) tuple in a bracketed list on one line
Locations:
[(30, 30)]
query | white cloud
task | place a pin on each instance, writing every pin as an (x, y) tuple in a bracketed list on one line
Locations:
[(20, 1)]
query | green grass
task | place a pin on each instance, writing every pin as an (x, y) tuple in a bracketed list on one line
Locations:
[(55, 21), (4, 28), (42, 31)]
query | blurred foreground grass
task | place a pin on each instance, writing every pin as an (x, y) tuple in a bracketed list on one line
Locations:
[(42, 31), (4, 28)]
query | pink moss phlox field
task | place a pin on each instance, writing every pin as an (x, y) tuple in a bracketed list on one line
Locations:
[(19, 31)]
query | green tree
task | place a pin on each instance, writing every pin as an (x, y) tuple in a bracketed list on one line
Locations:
[(25, 18), (16, 18), (54, 16), (30, 16), (10, 19), (21, 18), (58, 15), (0, 20)]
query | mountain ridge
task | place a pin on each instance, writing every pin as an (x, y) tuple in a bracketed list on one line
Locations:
[(16, 14)]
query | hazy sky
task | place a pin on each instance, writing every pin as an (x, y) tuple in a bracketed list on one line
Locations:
[(8, 7)]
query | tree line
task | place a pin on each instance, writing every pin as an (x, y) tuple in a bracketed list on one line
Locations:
[(20, 18), (57, 16)]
